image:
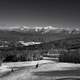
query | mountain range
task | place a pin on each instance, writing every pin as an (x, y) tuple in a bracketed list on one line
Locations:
[(36, 34), (42, 30)]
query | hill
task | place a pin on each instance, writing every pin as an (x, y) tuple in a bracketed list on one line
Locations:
[(30, 36)]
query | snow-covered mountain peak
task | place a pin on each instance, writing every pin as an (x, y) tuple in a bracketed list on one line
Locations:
[(40, 29)]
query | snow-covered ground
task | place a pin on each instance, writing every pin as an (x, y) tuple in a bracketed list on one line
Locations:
[(47, 65), (29, 43), (58, 67), (4, 68), (49, 70), (25, 63)]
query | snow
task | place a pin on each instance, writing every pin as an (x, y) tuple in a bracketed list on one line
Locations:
[(58, 67), (47, 65), (26, 63), (4, 68), (29, 43)]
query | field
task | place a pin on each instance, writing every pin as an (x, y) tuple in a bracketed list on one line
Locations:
[(48, 71)]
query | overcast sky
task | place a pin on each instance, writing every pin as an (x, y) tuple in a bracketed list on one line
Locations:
[(65, 13)]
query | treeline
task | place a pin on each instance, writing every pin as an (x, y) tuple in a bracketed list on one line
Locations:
[(18, 52), (69, 50), (72, 56), (20, 55)]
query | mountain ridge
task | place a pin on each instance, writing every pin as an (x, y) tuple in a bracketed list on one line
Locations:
[(43, 30)]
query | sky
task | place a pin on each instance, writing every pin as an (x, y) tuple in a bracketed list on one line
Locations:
[(61, 13)]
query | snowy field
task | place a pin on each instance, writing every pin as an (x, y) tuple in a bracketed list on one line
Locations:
[(47, 70), (25, 63)]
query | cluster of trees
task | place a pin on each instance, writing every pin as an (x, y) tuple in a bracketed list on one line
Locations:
[(72, 55), (20, 55), (17, 52)]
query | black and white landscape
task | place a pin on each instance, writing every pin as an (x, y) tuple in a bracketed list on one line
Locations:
[(39, 40)]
